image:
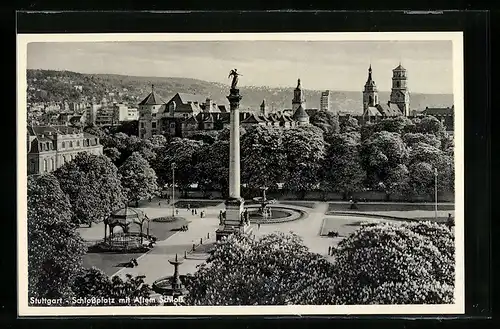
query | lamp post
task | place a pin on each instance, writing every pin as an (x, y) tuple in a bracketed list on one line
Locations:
[(436, 193), (173, 190)]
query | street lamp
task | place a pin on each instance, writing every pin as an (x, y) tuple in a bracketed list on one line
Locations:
[(436, 193), (173, 189)]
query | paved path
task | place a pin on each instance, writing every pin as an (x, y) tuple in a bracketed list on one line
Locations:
[(154, 264)]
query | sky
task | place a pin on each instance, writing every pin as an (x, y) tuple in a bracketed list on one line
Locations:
[(321, 65)]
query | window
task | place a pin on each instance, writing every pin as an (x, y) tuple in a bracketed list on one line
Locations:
[(63, 145), (172, 125), (154, 115), (70, 144), (48, 146), (52, 166), (153, 125), (398, 84), (78, 143), (142, 124), (32, 165), (45, 165), (64, 159)]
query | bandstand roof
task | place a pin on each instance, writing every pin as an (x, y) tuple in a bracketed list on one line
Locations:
[(126, 216)]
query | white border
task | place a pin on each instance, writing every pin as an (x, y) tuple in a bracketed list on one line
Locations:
[(458, 91)]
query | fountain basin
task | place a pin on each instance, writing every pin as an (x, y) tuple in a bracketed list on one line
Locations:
[(279, 214)]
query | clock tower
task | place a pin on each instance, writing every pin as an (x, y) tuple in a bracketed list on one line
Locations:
[(400, 94)]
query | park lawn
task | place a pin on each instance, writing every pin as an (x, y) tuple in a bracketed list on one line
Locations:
[(111, 263), (197, 204), (346, 224), (305, 204), (370, 207)]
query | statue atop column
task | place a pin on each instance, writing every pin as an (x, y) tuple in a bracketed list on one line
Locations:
[(234, 73)]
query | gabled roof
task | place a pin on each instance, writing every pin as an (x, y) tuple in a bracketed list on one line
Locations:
[(253, 118), (373, 111), (191, 119), (152, 99), (185, 98)]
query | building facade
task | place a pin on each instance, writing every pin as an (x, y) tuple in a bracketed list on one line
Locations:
[(325, 101), (50, 147), (400, 95)]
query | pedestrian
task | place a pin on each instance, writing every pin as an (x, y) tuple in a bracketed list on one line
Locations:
[(150, 199), (159, 203), (258, 226), (192, 212), (188, 206), (329, 250), (177, 211), (195, 212)]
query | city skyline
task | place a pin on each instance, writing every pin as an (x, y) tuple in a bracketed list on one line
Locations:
[(321, 65)]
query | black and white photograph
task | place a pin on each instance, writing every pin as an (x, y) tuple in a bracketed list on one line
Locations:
[(212, 174)]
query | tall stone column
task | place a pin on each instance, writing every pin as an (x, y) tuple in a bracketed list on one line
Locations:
[(233, 222), (234, 144)]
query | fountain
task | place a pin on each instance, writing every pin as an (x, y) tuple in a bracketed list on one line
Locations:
[(171, 287), (264, 210)]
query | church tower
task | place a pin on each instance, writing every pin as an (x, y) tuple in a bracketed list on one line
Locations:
[(370, 94), (400, 94), (298, 98)]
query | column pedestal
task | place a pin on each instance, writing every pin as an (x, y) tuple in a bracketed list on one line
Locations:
[(234, 222)]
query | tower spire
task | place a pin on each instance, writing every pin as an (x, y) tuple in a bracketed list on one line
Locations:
[(298, 83), (152, 87)]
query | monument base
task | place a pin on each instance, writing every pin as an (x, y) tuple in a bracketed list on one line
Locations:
[(233, 223)]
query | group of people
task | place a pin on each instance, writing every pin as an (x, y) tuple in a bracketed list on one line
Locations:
[(194, 211), (132, 263)]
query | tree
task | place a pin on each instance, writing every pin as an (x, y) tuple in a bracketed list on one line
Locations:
[(341, 169), (130, 128), (211, 169), (158, 141), (138, 178), (382, 152), (95, 283), (276, 269), (180, 151), (55, 248), (398, 124), (351, 124), (398, 179), (325, 120), (93, 187), (412, 139), (411, 263), (112, 153), (305, 150), (263, 157), (430, 125)]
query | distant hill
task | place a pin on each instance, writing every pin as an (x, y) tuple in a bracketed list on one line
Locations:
[(49, 85)]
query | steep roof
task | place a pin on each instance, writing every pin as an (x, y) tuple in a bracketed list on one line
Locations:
[(152, 99), (373, 111), (300, 113), (185, 98), (253, 118), (222, 108), (399, 68)]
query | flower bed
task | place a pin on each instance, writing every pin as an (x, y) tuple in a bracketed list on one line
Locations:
[(167, 219)]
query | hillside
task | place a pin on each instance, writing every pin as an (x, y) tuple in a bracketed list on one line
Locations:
[(48, 85)]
